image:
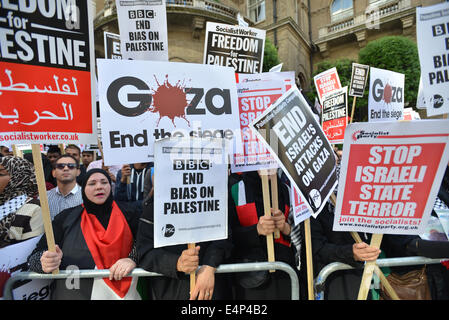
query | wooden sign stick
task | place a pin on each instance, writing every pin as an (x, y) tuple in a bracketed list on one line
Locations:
[(39, 169), (353, 109), (61, 148), (377, 270), (309, 261), (267, 212), (192, 274), (376, 240), (16, 152), (274, 198)]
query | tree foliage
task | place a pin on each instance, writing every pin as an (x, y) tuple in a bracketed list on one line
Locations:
[(398, 54), (394, 53), (270, 56)]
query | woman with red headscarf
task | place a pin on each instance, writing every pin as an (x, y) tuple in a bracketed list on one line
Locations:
[(98, 234)]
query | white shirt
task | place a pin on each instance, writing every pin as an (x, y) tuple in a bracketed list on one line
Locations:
[(58, 202)]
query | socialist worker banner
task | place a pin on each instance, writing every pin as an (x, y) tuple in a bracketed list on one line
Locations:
[(335, 115), (46, 84), (234, 46), (390, 175)]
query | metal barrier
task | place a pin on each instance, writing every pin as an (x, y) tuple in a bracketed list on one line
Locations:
[(320, 280), (138, 272)]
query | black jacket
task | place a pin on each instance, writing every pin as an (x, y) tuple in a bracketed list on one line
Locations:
[(175, 285)]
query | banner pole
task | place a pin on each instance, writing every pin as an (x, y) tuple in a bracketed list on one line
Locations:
[(274, 198), (39, 170), (310, 288), (267, 211), (192, 274), (353, 109), (365, 284), (16, 152), (379, 272)]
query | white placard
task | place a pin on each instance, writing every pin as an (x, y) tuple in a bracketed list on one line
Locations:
[(143, 29), (143, 101), (390, 175), (432, 33), (190, 193), (386, 95)]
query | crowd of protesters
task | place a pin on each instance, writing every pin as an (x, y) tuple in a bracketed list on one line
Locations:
[(103, 218)]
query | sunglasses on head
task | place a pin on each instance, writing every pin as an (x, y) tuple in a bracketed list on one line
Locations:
[(61, 166)]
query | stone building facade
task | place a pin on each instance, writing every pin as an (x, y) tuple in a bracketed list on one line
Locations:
[(304, 31)]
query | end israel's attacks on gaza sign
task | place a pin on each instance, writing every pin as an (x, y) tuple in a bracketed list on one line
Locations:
[(143, 101), (432, 33), (300, 146), (190, 191), (390, 175)]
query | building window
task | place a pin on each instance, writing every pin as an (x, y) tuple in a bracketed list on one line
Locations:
[(341, 9), (256, 9)]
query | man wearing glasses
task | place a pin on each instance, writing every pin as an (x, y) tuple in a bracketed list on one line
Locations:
[(67, 193)]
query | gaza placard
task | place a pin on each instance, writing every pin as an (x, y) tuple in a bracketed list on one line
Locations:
[(234, 46), (300, 146), (190, 194), (386, 95), (144, 101), (432, 33), (47, 72), (390, 175)]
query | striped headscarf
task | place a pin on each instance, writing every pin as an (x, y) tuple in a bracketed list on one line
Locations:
[(23, 180)]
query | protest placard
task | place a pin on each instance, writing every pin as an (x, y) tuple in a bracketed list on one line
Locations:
[(46, 81), (432, 33), (388, 182), (13, 259), (112, 46), (288, 77), (299, 207), (234, 46), (190, 194), (300, 147), (143, 29), (254, 97), (335, 115), (358, 80), (326, 82), (143, 101), (386, 95)]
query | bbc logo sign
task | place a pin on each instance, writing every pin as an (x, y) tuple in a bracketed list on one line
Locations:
[(440, 29), (141, 14)]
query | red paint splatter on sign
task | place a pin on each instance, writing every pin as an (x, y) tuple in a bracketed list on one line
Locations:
[(388, 93), (170, 101)]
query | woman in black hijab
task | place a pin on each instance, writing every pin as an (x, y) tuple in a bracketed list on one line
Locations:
[(98, 234)]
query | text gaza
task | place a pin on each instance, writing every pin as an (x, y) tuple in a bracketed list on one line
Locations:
[(141, 94)]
